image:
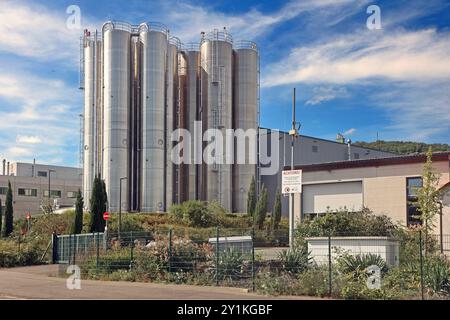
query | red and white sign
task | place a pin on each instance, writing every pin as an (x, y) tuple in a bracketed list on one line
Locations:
[(106, 216), (291, 181)]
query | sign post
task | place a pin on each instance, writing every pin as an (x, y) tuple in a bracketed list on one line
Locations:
[(28, 222), (106, 218), (291, 181)]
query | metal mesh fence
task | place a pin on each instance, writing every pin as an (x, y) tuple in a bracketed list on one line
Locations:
[(341, 264)]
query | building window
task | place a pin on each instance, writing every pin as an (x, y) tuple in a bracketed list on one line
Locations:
[(54, 193), (356, 156), (27, 192), (413, 212), (315, 148), (42, 173), (72, 194), (3, 190)]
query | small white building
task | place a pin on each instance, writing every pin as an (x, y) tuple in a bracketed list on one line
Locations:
[(385, 247)]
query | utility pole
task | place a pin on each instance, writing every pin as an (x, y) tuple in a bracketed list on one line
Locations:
[(293, 133)]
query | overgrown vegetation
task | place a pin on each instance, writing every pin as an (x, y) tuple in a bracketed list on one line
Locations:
[(403, 147)]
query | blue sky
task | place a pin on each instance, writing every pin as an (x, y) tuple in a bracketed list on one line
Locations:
[(394, 81)]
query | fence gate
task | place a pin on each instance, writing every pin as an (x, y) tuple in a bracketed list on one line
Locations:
[(67, 247)]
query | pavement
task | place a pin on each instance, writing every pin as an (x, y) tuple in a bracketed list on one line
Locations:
[(40, 282)]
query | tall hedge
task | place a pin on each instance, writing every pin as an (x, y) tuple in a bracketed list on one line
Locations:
[(9, 213)]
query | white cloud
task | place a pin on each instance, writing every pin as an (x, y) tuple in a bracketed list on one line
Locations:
[(395, 56), (349, 132), (326, 93), (35, 31), (28, 139)]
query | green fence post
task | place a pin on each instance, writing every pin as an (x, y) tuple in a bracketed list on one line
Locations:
[(170, 250), (329, 266), (217, 256), (54, 248), (75, 245), (253, 259), (131, 250), (98, 250), (421, 266), (69, 253)]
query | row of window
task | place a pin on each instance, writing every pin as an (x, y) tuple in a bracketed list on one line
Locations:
[(29, 192)]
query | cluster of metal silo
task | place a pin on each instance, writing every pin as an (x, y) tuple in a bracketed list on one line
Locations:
[(140, 84)]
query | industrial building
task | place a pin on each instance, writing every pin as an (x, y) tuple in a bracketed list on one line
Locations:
[(31, 182), (309, 150), (385, 185), (140, 84)]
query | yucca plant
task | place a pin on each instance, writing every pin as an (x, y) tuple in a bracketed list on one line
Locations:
[(437, 276), (358, 263), (294, 260)]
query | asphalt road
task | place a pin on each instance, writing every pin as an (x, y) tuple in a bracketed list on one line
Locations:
[(39, 282)]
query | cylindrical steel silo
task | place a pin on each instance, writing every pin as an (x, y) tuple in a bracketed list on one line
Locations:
[(216, 63), (245, 112), (154, 40), (171, 117), (89, 117), (182, 181), (116, 104), (192, 58)]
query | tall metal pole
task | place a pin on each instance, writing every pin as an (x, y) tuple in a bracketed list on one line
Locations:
[(293, 134)]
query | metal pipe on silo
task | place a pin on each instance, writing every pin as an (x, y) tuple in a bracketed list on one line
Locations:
[(116, 106), (182, 180), (153, 38), (245, 112), (192, 60), (89, 115), (171, 117), (216, 64)]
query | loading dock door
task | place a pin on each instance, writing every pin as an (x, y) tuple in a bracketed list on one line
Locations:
[(320, 198)]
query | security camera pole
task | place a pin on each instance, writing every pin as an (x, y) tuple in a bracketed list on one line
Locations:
[(293, 133)]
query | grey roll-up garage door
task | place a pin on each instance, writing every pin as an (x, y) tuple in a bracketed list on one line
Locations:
[(320, 198)]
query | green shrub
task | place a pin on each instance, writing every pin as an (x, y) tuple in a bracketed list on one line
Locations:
[(277, 284), (314, 282), (345, 223), (10, 255), (294, 260)]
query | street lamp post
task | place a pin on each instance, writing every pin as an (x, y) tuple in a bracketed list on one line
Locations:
[(120, 205)]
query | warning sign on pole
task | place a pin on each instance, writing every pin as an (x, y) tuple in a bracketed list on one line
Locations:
[(291, 181)]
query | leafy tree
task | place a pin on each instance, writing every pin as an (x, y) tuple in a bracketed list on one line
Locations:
[(403, 147), (9, 213), (276, 214), (428, 195), (261, 208), (251, 198), (78, 221), (98, 206)]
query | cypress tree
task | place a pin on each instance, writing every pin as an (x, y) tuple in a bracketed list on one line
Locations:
[(276, 215), (78, 221), (261, 208), (251, 198), (9, 213), (94, 206), (99, 200)]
